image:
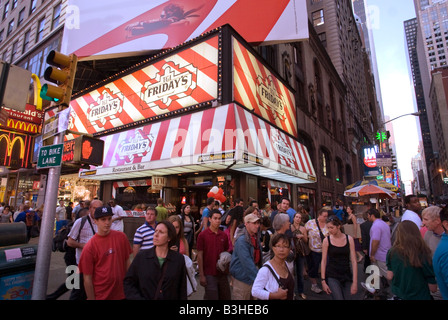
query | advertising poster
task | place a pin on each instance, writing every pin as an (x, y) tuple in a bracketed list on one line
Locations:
[(104, 28)]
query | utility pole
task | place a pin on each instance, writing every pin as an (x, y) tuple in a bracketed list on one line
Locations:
[(62, 72)]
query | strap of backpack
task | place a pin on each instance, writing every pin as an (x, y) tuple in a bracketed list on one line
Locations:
[(83, 222)]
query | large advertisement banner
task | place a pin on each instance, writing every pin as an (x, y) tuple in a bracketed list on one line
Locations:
[(116, 27), (186, 78), (258, 89)]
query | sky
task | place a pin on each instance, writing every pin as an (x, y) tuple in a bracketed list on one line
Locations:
[(398, 97)]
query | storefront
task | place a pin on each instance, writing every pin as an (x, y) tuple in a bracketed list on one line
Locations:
[(19, 182), (206, 114)]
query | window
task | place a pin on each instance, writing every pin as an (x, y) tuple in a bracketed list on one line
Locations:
[(21, 17), (1, 36), (40, 30), (318, 17), (56, 16), (325, 162), (10, 27), (323, 38), (26, 41), (14, 4), (6, 10), (14, 51), (33, 6)]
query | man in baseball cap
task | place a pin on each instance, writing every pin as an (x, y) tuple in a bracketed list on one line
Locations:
[(105, 259), (246, 258)]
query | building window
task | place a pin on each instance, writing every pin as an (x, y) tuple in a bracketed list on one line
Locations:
[(10, 27), (21, 17), (40, 30), (56, 16), (318, 17), (6, 10), (1, 36), (33, 6), (325, 162), (323, 38), (14, 4), (26, 41), (14, 51)]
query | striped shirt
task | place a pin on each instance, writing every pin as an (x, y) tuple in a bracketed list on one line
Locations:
[(144, 235)]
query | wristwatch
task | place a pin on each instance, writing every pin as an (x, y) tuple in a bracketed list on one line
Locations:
[(322, 279)]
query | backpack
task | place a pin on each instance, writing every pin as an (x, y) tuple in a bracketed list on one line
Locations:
[(60, 239), (29, 219)]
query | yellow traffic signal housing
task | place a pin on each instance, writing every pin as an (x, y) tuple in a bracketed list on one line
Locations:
[(62, 72)]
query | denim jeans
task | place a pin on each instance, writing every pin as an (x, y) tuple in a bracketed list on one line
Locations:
[(300, 265), (339, 290)]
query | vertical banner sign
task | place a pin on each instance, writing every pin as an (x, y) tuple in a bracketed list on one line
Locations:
[(369, 160), (258, 89)]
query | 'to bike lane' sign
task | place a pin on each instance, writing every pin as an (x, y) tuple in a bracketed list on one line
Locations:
[(50, 156)]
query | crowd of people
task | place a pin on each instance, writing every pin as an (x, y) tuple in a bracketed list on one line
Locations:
[(259, 253)]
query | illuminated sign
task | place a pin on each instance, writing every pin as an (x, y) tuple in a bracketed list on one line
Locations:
[(257, 88), (369, 160), (107, 107), (171, 83), (175, 82), (137, 145), (15, 150)]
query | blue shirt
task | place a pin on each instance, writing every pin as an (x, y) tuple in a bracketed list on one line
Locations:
[(206, 214), (291, 213), (440, 265), (144, 236)]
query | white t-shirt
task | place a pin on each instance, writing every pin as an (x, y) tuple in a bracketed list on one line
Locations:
[(118, 212), (412, 216), (60, 213)]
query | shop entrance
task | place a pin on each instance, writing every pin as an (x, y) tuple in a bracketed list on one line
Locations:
[(196, 197)]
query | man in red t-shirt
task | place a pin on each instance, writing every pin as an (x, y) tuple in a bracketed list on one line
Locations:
[(105, 259), (210, 243)]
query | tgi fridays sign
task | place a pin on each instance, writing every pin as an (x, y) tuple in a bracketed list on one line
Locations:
[(177, 81), (258, 89)]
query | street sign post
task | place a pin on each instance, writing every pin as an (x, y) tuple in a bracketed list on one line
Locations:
[(50, 156)]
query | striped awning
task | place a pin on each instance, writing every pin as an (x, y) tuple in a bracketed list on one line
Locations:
[(226, 137)]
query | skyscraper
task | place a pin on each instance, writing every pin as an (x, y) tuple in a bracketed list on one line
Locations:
[(420, 78), (432, 17)]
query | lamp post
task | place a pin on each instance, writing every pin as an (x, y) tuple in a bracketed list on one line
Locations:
[(416, 114)]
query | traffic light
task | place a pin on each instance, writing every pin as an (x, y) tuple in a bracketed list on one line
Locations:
[(61, 72)]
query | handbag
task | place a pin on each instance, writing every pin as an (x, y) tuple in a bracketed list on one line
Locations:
[(191, 280), (302, 248)]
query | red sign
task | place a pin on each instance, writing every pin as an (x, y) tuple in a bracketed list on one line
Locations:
[(258, 89), (186, 78)]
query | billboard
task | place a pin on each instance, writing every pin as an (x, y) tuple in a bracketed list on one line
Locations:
[(102, 28), (259, 89), (369, 161), (176, 81)]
